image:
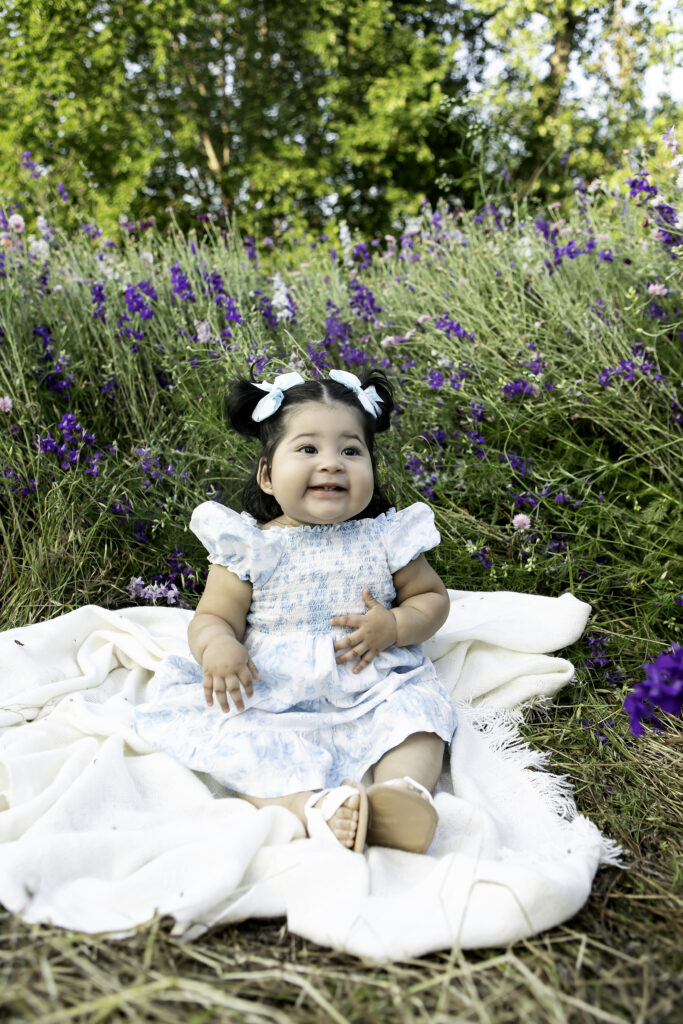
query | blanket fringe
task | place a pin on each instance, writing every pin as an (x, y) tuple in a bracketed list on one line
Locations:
[(611, 854), (500, 728)]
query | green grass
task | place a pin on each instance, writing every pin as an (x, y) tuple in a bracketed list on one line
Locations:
[(603, 463)]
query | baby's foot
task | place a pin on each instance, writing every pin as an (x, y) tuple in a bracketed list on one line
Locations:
[(402, 815), (340, 814), (344, 822)]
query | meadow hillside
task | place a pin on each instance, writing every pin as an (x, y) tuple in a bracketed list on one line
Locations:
[(536, 355)]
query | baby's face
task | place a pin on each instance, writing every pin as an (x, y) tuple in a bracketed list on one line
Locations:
[(321, 471)]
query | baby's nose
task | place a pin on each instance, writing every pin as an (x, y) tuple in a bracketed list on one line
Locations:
[(331, 460)]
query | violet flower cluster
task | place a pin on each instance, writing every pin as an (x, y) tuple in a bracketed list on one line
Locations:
[(662, 688)]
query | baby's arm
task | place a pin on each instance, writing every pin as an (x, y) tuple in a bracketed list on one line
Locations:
[(215, 633), (422, 602), (422, 606)]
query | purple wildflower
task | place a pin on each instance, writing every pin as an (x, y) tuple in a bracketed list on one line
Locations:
[(135, 295), (669, 139), (30, 165), (180, 284), (363, 302), (452, 329), (597, 643), (267, 311), (662, 688), (54, 376), (361, 254), (110, 387), (249, 243), (516, 462), (99, 300), (122, 509), (337, 331), (482, 557), (520, 387), (224, 301)]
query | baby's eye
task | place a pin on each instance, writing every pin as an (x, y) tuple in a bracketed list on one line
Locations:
[(307, 449), (351, 450)]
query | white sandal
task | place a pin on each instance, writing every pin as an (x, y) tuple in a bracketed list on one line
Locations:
[(323, 804), (402, 815)]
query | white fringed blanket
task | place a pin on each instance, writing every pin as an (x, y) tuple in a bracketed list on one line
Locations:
[(99, 832)]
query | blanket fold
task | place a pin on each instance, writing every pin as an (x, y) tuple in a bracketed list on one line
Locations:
[(99, 832)]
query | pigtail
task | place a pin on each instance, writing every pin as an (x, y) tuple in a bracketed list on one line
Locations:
[(383, 386), (240, 401)]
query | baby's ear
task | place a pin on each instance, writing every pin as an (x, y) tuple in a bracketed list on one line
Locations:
[(263, 477)]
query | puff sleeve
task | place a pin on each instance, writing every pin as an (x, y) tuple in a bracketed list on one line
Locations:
[(408, 533), (235, 541)]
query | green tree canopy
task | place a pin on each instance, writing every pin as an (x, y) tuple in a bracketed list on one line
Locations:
[(291, 112)]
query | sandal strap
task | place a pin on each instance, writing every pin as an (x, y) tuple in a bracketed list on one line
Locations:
[(320, 807), (411, 784)]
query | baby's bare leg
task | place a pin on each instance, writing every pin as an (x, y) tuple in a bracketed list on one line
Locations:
[(343, 822), (420, 756)]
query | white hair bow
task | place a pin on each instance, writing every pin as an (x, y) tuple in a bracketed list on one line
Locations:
[(367, 397), (276, 392)]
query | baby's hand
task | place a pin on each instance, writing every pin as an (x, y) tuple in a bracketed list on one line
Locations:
[(227, 667), (373, 632)]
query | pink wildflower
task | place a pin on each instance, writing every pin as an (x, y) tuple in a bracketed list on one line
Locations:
[(658, 289), (6, 404), (16, 222), (521, 521)]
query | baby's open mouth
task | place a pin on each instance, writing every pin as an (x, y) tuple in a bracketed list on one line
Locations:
[(327, 487)]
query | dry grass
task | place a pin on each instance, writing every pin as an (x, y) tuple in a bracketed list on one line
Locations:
[(258, 972)]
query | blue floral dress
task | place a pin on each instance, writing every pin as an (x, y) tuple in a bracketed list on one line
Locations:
[(311, 723)]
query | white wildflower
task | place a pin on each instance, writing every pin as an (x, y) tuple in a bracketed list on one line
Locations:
[(204, 332), (39, 248), (281, 298), (413, 226)]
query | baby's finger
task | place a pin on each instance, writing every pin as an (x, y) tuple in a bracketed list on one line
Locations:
[(365, 660), (235, 691), (349, 656), (347, 620), (357, 652), (245, 680), (207, 685), (350, 640), (349, 648), (220, 688), (252, 668)]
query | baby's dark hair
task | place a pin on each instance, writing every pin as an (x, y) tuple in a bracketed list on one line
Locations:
[(242, 398)]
